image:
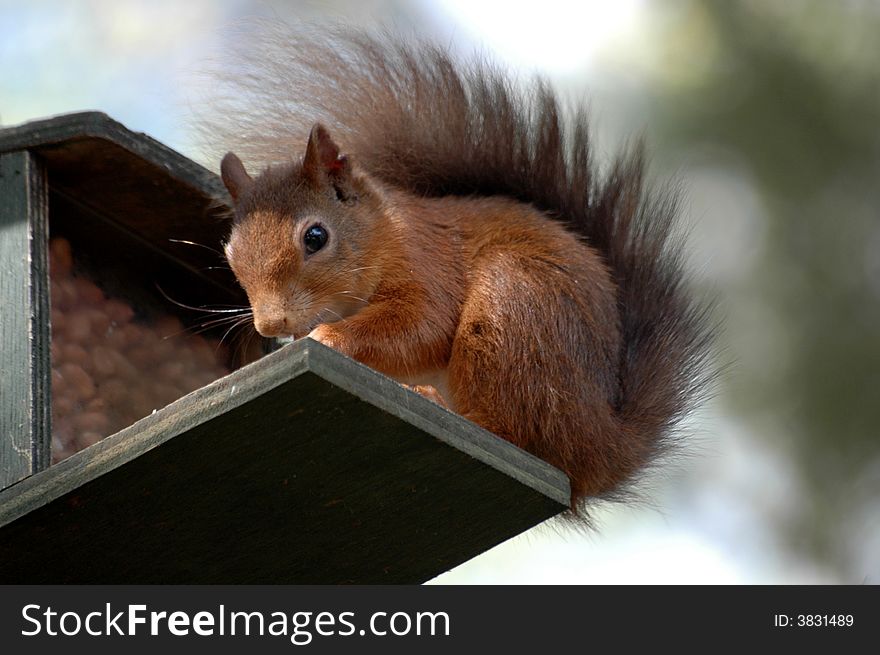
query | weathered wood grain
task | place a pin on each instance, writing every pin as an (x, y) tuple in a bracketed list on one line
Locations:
[(24, 318)]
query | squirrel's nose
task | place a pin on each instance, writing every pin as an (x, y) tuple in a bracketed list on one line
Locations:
[(270, 324)]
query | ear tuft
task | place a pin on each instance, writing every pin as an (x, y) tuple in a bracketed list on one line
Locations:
[(322, 158), (234, 176)]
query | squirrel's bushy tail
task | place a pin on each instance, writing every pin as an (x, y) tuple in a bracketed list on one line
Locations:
[(417, 118)]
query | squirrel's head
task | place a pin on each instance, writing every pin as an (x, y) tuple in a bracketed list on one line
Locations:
[(304, 238)]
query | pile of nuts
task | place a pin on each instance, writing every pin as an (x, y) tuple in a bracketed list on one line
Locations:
[(109, 368)]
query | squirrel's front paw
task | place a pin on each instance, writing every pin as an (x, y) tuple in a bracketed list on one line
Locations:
[(327, 335)]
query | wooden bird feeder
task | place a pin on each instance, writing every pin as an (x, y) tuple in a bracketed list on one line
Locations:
[(134, 451)]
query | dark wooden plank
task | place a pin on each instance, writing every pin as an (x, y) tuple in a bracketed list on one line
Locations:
[(302, 467), (39, 134), (24, 319)]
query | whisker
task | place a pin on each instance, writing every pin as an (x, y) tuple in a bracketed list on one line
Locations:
[(326, 278), (241, 349), (204, 308), (361, 268), (199, 245), (238, 323), (327, 309), (223, 320), (207, 325), (211, 310), (351, 295), (253, 335)]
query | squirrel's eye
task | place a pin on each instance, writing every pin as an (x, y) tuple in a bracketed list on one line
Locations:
[(315, 238)]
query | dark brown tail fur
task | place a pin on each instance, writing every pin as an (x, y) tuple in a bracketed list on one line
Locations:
[(419, 120)]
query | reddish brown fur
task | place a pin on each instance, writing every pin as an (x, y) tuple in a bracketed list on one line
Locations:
[(486, 298), (471, 249)]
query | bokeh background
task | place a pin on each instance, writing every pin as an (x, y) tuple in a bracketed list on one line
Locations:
[(765, 112)]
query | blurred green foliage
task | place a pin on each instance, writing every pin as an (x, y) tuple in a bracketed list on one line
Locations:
[(792, 91)]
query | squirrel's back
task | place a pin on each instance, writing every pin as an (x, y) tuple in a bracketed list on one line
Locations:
[(419, 120)]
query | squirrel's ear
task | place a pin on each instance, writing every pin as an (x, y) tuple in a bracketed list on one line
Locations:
[(234, 176), (322, 159)]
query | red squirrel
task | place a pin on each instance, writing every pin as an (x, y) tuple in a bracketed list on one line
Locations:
[(445, 227)]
